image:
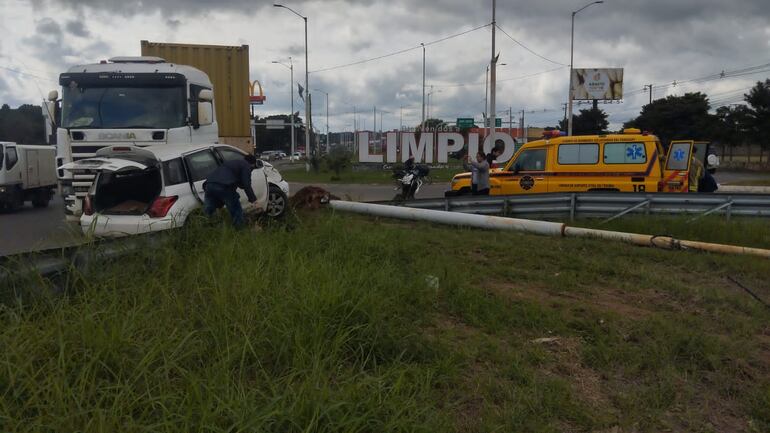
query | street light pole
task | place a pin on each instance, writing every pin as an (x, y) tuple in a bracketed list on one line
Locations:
[(308, 124), (422, 124), (486, 94), (571, 66), (493, 74), (291, 89), (328, 143)]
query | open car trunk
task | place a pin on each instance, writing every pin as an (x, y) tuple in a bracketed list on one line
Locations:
[(127, 192)]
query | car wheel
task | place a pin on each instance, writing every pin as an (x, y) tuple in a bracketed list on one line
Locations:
[(277, 202)]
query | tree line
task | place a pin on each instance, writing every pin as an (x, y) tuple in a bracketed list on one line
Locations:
[(688, 117), (22, 125)]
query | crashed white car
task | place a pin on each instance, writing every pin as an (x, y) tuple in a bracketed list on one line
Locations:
[(148, 189)]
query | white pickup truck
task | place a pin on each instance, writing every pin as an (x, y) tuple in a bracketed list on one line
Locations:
[(27, 173)]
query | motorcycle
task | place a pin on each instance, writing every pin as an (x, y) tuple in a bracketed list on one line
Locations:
[(409, 180)]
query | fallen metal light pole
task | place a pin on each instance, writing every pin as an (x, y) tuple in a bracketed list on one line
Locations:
[(536, 227)]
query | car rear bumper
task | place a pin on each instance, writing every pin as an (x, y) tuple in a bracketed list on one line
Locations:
[(127, 225)]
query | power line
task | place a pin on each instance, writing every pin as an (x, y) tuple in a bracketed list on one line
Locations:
[(395, 53), (504, 79), (28, 74), (529, 49)]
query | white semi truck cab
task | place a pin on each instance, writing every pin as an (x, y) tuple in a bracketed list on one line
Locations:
[(133, 101)]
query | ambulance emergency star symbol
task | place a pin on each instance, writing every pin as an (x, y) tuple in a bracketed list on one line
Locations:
[(634, 152)]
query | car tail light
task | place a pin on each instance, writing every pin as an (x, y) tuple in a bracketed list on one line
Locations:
[(161, 206), (88, 207)]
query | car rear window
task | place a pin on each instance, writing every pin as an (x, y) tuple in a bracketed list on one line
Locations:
[(173, 172)]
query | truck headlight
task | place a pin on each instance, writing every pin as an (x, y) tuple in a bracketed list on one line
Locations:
[(2, 189)]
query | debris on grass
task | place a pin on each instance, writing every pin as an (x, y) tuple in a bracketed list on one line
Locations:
[(311, 198)]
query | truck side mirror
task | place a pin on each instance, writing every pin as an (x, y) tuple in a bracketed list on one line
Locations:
[(206, 95), (53, 95), (205, 113)]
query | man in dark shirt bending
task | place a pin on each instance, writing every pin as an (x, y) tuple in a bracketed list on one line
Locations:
[(221, 187)]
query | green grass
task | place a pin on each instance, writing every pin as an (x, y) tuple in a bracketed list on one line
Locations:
[(328, 324), (361, 176), (749, 232)]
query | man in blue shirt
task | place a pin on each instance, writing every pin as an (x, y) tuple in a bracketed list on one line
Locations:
[(221, 187)]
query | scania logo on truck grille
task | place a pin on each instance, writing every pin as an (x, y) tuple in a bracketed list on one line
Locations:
[(117, 136)]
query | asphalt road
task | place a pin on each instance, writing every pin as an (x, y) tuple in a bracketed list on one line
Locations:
[(33, 229)]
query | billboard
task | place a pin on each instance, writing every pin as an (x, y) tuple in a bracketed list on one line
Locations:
[(604, 84)]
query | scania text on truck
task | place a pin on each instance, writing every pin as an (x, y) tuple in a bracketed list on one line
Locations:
[(134, 101), (27, 173)]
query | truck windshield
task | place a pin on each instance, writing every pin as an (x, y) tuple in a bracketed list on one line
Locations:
[(123, 107)]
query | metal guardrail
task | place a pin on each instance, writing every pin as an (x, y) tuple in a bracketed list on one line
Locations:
[(608, 205)]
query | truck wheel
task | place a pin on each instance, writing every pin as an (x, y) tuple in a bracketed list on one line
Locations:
[(276, 202), (41, 199), (17, 201)]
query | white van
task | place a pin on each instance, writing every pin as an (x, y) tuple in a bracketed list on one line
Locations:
[(140, 190), (27, 173)]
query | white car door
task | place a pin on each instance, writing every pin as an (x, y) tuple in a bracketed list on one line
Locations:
[(258, 178)]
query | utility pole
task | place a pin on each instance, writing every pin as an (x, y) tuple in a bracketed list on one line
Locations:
[(355, 129), (649, 86), (493, 71), (486, 100), (374, 128), (328, 139), (510, 120), (565, 112), (521, 126), (423, 86), (401, 119)]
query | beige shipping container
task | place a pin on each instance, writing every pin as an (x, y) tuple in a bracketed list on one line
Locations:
[(228, 69)]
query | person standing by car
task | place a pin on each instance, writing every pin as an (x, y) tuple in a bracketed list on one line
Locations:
[(696, 173), (479, 174), (222, 184)]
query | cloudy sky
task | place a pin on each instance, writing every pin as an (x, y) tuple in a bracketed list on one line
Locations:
[(658, 42)]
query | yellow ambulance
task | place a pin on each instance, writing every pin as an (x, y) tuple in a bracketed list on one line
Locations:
[(632, 162)]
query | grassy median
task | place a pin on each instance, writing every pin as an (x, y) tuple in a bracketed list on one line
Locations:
[(333, 323), (349, 176)]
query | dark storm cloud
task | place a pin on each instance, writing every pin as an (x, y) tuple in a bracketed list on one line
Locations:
[(48, 27), (77, 28), (173, 23), (48, 42)]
